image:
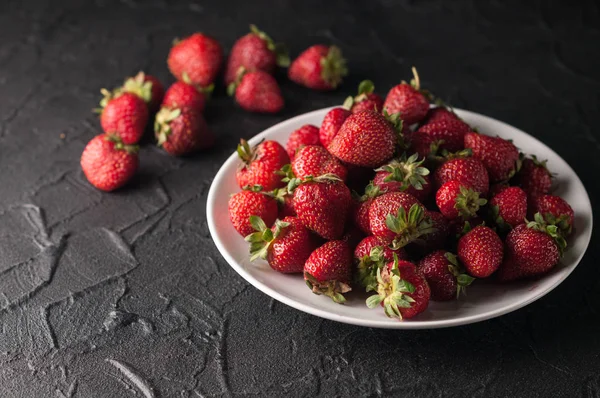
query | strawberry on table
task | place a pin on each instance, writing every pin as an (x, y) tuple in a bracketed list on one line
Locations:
[(365, 100), (370, 254), (256, 91), (498, 155), (261, 164), (408, 100), (124, 115), (182, 94), (404, 174), (331, 124), (328, 270), (480, 251), (534, 177), (468, 171), (181, 131), (196, 59), (509, 207), (147, 87), (251, 202), (305, 135), (314, 160), (556, 211), (457, 200), (445, 275), (319, 67)]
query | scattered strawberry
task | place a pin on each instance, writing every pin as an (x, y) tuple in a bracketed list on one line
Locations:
[(108, 163), (408, 100), (328, 270), (196, 59), (406, 175), (556, 211), (370, 254), (305, 135), (456, 200), (181, 131), (365, 100), (319, 67), (446, 135), (256, 92), (314, 160), (534, 177), (470, 172), (124, 115), (498, 155), (182, 94), (481, 251), (509, 207), (331, 124), (261, 164), (445, 275), (147, 87), (251, 202)]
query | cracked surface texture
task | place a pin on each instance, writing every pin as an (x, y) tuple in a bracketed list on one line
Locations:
[(125, 295)]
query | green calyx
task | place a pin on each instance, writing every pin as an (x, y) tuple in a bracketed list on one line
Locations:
[(239, 75), (120, 146), (107, 96), (462, 278), (367, 268), (261, 240), (468, 202), (562, 222), (162, 123), (392, 291), (408, 171), (497, 218), (410, 226), (138, 86), (333, 67), (293, 182), (333, 289), (371, 191), (540, 224), (207, 91), (281, 53), (364, 88), (245, 152), (397, 124)]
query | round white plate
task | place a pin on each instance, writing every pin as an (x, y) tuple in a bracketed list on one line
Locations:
[(485, 299)]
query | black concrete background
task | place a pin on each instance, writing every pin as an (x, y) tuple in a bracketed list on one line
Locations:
[(125, 294)]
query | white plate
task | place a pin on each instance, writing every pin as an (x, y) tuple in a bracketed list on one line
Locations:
[(485, 300)]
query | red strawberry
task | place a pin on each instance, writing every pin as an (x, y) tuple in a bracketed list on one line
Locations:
[(469, 172), (360, 210), (446, 134), (328, 270), (365, 139), (556, 211), (286, 246), (323, 203), (314, 160), (256, 92), (498, 155), (319, 67), (456, 200), (366, 100), (248, 203), (255, 51), (196, 59), (442, 114), (404, 175), (181, 95), (534, 177), (370, 254), (434, 240), (480, 250), (406, 99), (285, 199), (108, 163), (181, 131), (445, 276), (509, 207), (331, 124), (305, 135), (125, 116), (147, 87), (402, 291), (261, 164)]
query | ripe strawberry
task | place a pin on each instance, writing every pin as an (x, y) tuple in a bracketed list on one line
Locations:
[(261, 164), (124, 115), (370, 254), (314, 160), (456, 200), (319, 67), (256, 92), (443, 114), (305, 135), (407, 175), (108, 163), (534, 177), (248, 203), (434, 240), (445, 275), (408, 100), (181, 131), (147, 87), (285, 200), (556, 211), (365, 100), (365, 139), (328, 270), (402, 291), (443, 135), (322, 204), (331, 124), (255, 51), (286, 245), (360, 208), (469, 172), (480, 250), (181, 94), (196, 59), (399, 218), (498, 155), (509, 207)]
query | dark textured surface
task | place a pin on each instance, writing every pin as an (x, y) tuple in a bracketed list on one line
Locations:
[(124, 294)]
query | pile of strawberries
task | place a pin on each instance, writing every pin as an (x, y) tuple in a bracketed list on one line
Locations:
[(110, 160), (400, 199)]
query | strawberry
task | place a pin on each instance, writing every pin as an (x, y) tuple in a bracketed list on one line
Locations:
[(331, 124), (286, 245), (480, 250), (498, 155), (322, 204), (370, 254), (285, 200), (124, 115), (534, 177), (314, 160), (531, 249), (256, 92), (406, 175), (509, 207), (556, 211), (305, 135), (328, 270), (469, 172), (443, 114), (181, 131), (319, 67), (445, 275), (196, 59), (456, 200), (365, 139), (360, 210), (434, 240), (401, 290), (399, 218), (147, 87), (408, 100), (261, 164), (365, 100), (181, 94), (108, 163), (497, 188), (444, 134), (251, 202), (255, 51)]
